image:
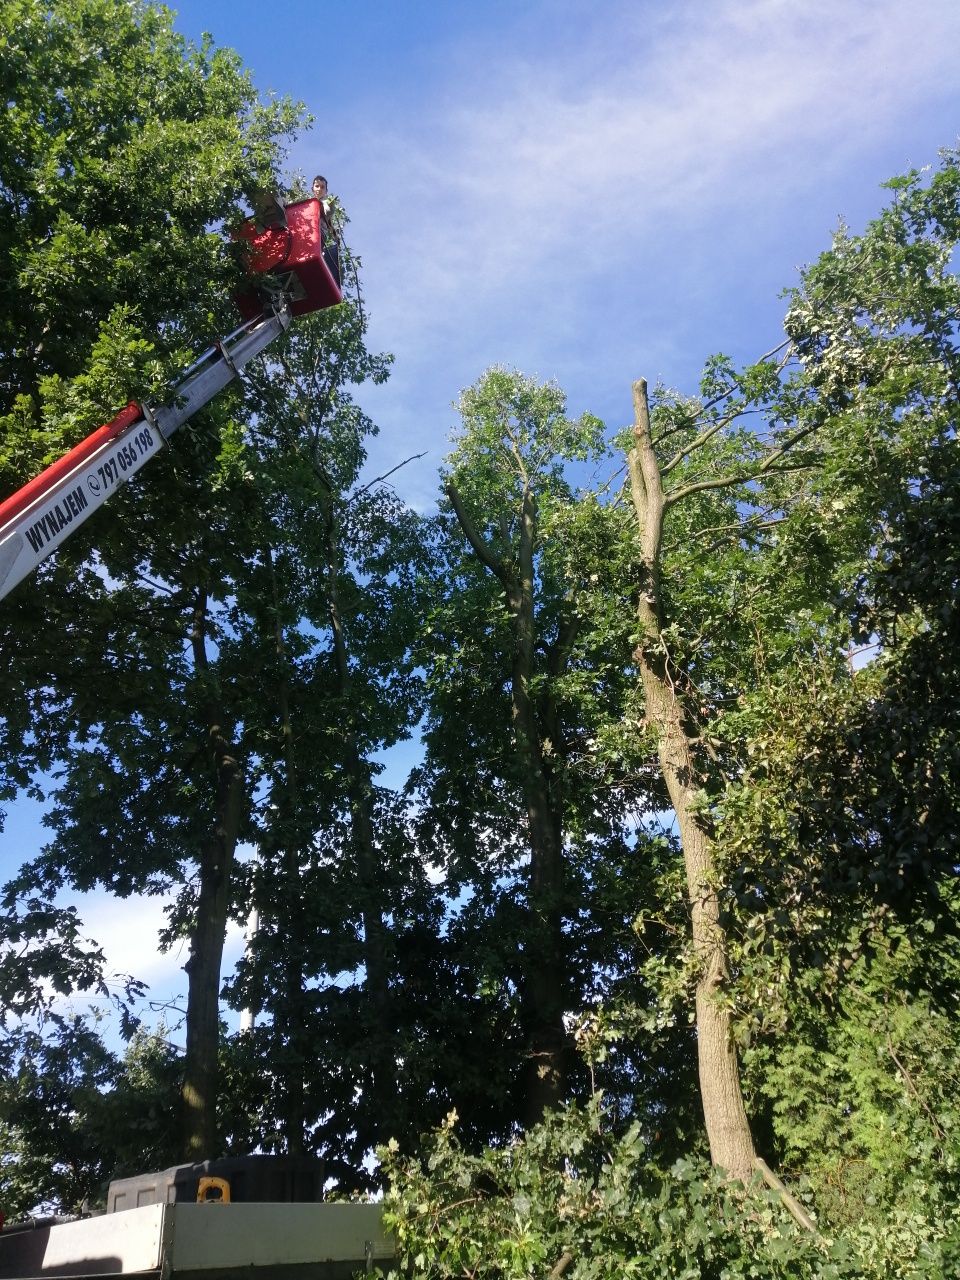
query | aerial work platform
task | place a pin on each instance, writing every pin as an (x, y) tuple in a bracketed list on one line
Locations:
[(289, 251), (293, 251)]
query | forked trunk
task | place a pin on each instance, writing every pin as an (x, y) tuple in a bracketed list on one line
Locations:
[(728, 1129)]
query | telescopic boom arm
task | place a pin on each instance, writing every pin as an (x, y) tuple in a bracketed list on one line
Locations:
[(287, 248), (43, 514)]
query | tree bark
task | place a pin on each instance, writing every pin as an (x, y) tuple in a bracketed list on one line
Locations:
[(199, 1094), (728, 1129)]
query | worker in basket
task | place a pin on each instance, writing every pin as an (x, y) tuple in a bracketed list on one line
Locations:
[(331, 235)]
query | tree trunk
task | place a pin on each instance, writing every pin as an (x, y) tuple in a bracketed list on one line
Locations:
[(728, 1129), (199, 1095), (543, 959), (292, 1016), (381, 1037), (545, 1070)]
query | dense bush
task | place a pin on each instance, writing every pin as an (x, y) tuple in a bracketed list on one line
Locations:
[(572, 1198)]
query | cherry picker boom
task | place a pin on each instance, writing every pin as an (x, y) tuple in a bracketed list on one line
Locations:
[(36, 519)]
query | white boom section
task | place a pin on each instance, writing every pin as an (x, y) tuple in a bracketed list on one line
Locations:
[(54, 512)]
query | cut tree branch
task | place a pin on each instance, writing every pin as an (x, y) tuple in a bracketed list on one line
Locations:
[(790, 1202), (563, 1262)]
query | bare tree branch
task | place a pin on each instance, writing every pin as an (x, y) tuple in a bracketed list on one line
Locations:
[(740, 527), (561, 1265), (765, 468), (726, 482), (386, 475), (707, 434), (789, 1202)]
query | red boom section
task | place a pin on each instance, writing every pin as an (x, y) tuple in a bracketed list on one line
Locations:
[(36, 488)]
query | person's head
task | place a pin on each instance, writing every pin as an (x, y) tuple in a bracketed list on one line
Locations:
[(320, 187)]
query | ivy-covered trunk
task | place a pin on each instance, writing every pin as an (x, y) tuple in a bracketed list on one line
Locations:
[(728, 1129), (199, 1094)]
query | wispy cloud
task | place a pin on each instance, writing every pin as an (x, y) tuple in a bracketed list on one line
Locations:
[(501, 217), (515, 168)]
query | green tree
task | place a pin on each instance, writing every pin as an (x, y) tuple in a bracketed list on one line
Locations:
[(45, 1102), (210, 700), (867, 875), (522, 808), (754, 545), (125, 149), (787, 516), (73, 1115)]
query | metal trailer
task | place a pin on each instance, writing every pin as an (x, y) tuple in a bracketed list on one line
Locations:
[(181, 1241)]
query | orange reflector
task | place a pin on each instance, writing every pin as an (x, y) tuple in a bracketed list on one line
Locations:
[(213, 1191)]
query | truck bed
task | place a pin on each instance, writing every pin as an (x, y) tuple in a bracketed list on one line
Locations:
[(205, 1242)]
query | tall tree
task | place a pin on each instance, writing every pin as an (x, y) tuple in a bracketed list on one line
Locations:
[(519, 687), (749, 536), (123, 145), (790, 554)]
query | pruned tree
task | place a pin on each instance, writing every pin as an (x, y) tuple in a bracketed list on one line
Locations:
[(759, 506)]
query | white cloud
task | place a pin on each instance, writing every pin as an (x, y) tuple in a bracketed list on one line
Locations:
[(512, 172), (127, 930), (556, 204)]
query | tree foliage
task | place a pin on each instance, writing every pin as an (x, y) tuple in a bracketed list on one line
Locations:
[(574, 1198), (791, 517), (125, 149), (684, 826)]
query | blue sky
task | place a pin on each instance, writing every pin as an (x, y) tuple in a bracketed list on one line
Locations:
[(590, 192)]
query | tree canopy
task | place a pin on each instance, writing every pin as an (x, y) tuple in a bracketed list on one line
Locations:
[(651, 968)]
